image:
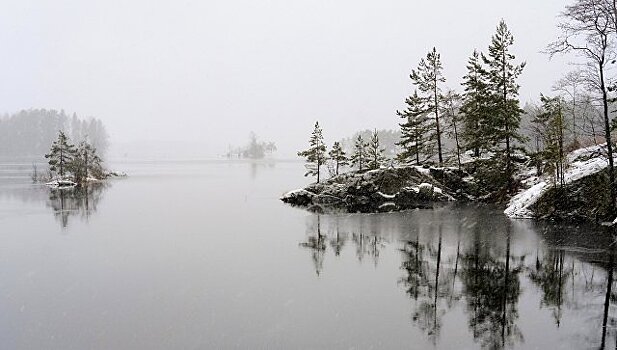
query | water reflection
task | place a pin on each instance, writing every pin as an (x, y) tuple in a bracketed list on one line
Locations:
[(258, 165), (316, 243), (75, 202), (481, 264), (550, 274), (492, 288)]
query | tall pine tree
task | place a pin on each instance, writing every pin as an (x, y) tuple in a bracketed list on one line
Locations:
[(474, 110), (338, 156), (503, 93), (428, 78), (416, 130), (316, 153)]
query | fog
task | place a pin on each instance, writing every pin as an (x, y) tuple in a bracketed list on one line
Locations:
[(200, 75)]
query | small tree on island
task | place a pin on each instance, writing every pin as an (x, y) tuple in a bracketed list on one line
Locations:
[(86, 163), (61, 155), (338, 156), (415, 131), (316, 154), (375, 152), (359, 156)]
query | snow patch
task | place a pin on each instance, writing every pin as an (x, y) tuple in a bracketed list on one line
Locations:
[(387, 204), (423, 170), (519, 206), (388, 196)]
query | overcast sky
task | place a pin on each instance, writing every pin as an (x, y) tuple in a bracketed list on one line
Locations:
[(209, 72)]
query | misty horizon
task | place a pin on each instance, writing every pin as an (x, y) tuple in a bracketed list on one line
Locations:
[(206, 74)]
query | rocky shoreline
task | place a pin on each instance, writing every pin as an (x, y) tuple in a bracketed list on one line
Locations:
[(386, 189), (582, 199)]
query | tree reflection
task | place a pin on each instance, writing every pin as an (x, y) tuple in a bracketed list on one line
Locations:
[(77, 201), (607, 320), (317, 245), (551, 276), (428, 283), (323, 230), (492, 289), (337, 242)]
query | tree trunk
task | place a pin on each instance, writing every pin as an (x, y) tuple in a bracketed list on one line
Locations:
[(458, 147), (506, 125), (607, 136), (437, 123)]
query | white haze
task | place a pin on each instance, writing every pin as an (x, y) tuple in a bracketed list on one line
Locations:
[(199, 75)]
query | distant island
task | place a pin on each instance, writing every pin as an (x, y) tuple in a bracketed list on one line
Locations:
[(254, 149), (552, 159)]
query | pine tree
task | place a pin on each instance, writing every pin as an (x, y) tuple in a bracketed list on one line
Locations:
[(86, 163), (338, 156), (503, 94), (427, 78), (474, 109), (316, 153), (359, 156), (61, 155), (375, 152), (415, 131)]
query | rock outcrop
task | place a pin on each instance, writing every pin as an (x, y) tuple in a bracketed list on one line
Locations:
[(584, 195), (386, 189)]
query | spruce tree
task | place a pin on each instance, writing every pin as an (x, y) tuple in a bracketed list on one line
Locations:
[(61, 155), (338, 156), (359, 155), (86, 162), (415, 131), (474, 110), (316, 153), (503, 93), (427, 78), (375, 152)]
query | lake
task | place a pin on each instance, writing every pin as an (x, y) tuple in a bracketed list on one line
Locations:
[(203, 255)]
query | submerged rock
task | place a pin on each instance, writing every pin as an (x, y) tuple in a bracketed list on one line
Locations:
[(387, 189)]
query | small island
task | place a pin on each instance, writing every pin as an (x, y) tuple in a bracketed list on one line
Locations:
[(72, 165)]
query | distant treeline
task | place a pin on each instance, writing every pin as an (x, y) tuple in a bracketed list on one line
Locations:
[(30, 133), (387, 140)]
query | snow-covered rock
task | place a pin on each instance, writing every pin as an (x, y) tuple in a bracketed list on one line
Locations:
[(583, 162), (61, 183), (385, 189)]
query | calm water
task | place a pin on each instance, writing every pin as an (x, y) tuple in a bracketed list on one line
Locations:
[(204, 255)]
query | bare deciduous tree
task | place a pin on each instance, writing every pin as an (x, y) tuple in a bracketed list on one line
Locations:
[(587, 30)]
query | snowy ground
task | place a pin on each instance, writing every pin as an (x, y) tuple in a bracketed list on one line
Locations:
[(582, 162)]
